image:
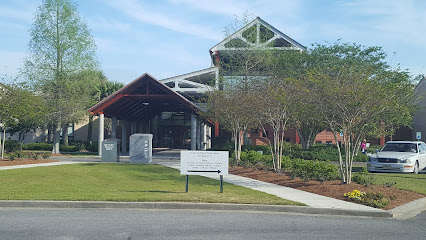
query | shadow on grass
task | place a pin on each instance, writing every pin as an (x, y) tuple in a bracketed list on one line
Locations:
[(154, 192)]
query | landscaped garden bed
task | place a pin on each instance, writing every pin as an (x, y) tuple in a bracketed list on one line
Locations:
[(333, 189)]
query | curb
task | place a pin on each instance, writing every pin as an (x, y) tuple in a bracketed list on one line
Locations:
[(410, 209), (194, 206)]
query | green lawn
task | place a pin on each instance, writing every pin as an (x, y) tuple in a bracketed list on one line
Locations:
[(410, 182), (122, 182)]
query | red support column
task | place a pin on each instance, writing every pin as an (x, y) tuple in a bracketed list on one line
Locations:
[(382, 140), (216, 129), (382, 137), (297, 137)]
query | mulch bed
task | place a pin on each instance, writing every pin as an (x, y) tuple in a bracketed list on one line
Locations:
[(21, 161), (333, 189)]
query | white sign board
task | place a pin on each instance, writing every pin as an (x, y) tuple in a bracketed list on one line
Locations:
[(418, 135), (204, 162)]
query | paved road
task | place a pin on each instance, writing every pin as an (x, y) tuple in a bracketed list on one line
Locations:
[(161, 224)]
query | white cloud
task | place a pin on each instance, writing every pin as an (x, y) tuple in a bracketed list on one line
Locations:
[(100, 23), (223, 7), (23, 13), (141, 13), (389, 20)]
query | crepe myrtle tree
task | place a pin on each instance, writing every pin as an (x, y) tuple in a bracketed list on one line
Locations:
[(60, 47), (235, 111), (355, 93), (273, 111), (289, 69)]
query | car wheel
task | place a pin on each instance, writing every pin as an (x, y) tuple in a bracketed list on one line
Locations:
[(416, 168)]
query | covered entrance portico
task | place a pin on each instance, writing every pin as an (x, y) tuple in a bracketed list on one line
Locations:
[(148, 106)]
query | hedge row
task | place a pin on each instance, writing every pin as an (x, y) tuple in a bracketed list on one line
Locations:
[(304, 169), (311, 170), (35, 155), (321, 152), (75, 146)]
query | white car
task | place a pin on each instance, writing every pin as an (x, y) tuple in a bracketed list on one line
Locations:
[(399, 157)]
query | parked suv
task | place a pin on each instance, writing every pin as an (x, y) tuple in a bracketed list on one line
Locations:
[(399, 157)]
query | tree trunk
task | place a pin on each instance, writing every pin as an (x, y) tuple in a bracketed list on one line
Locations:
[(307, 136), (240, 143), (65, 134), (21, 140), (49, 133), (237, 156), (2, 145), (56, 138)]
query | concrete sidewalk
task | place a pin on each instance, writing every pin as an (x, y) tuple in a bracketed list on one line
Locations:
[(317, 204), (36, 165)]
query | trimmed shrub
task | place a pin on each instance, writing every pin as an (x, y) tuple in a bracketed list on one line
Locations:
[(37, 146), (321, 152), (91, 147), (254, 159), (69, 148), (264, 148), (11, 146), (311, 170), (363, 177), (12, 156), (361, 158), (35, 155)]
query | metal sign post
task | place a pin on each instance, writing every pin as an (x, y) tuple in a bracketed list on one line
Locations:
[(221, 183)]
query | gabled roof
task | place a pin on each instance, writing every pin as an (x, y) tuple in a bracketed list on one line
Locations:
[(144, 98), (421, 86), (257, 33)]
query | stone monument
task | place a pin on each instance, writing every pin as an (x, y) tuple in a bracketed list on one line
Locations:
[(140, 148)]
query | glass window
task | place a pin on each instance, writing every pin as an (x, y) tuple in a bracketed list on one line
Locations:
[(400, 147)]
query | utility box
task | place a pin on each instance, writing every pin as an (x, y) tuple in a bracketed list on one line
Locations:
[(140, 148), (110, 150)]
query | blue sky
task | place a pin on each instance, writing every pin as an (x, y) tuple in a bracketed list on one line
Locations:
[(170, 37)]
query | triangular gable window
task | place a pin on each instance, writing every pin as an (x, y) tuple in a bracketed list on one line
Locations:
[(235, 43), (256, 33), (250, 34), (265, 34), (279, 42)]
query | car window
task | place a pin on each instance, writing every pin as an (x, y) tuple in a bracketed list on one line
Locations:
[(422, 146), (400, 147)]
